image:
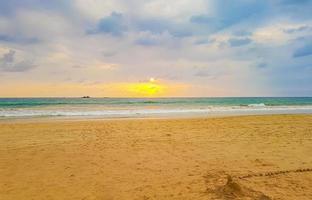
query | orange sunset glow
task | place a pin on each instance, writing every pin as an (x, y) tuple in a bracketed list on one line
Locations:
[(149, 88)]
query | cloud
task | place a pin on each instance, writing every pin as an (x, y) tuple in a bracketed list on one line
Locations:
[(202, 19), (153, 25), (109, 53), (262, 65), (206, 74), (10, 7), (297, 29), (8, 57), (295, 9), (117, 24), (113, 24), (147, 42), (21, 40), (236, 42), (160, 26), (242, 33), (8, 63), (181, 33), (151, 39), (204, 41), (222, 14), (294, 2), (228, 13), (303, 51)]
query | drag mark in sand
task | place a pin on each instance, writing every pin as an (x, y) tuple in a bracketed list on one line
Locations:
[(273, 173)]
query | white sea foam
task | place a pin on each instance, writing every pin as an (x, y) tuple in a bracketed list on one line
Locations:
[(257, 105), (168, 111)]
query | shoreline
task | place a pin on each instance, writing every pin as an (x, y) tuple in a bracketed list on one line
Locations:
[(163, 117), (150, 113)]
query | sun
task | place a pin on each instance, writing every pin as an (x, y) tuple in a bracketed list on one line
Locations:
[(152, 80), (149, 88)]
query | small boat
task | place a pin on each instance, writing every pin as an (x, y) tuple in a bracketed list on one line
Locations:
[(85, 97)]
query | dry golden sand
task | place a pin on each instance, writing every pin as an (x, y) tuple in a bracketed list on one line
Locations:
[(267, 157)]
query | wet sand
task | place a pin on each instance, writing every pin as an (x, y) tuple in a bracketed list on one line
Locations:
[(245, 157)]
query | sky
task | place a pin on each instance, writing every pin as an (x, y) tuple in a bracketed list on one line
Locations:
[(155, 48)]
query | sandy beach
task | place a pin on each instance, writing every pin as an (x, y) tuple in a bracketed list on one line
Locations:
[(246, 157)]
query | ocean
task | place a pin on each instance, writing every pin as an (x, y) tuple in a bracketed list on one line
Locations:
[(150, 107)]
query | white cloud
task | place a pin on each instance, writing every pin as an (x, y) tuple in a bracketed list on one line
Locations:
[(177, 10), (96, 9), (275, 34)]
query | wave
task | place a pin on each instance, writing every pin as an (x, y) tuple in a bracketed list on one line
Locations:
[(107, 113), (116, 102), (256, 105)]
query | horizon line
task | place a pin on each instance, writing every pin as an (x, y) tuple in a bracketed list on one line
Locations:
[(112, 97)]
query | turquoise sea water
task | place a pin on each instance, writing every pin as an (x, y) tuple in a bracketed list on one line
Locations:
[(129, 107)]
